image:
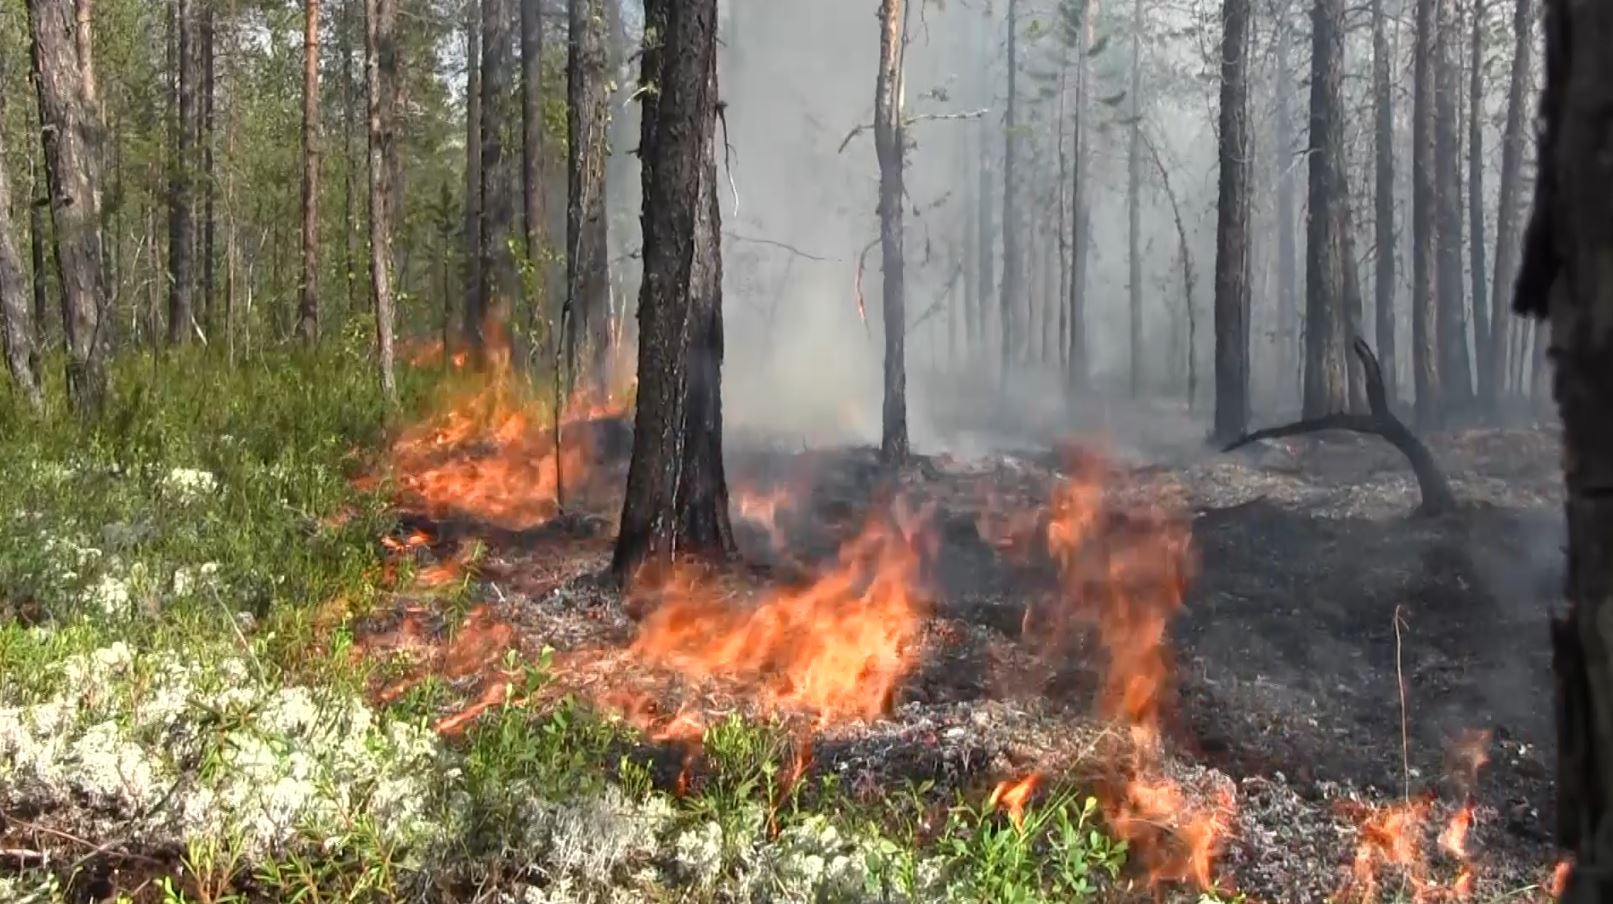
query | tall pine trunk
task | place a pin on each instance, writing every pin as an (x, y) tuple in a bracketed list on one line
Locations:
[(1232, 230), (1425, 324), (1013, 284), (532, 133), (380, 44), (1507, 208), (308, 304), (209, 176), (181, 185), (587, 235), (1328, 260), (888, 141), (1384, 201), (499, 286), (1134, 176), (1483, 361), (1289, 356), (1076, 354), (1455, 365), (473, 324), (677, 496), (16, 330)]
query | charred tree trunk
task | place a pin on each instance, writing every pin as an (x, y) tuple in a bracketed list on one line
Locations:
[(1424, 290), (677, 496), (1506, 217), (1328, 261), (587, 249), (1384, 200), (499, 284), (1232, 229), (1454, 364), (381, 49), (181, 185), (71, 130), (308, 304), (474, 315), (888, 143), (532, 134), (1483, 362), (1134, 178), (1013, 285), (1567, 274), (15, 328)]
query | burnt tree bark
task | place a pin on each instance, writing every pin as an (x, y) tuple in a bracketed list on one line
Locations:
[(532, 133), (71, 130), (308, 302), (1383, 226), (1013, 283), (1329, 261), (1232, 229), (677, 496), (889, 141), (381, 66), (587, 321), (16, 329), (1506, 215), (1424, 303), (1567, 275), (181, 184)]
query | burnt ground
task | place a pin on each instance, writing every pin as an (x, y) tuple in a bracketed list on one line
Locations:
[(1331, 650)]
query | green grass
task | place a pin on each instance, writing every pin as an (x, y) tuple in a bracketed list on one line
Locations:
[(166, 587)]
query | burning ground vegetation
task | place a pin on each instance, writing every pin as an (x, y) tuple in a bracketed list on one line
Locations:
[(1043, 676)]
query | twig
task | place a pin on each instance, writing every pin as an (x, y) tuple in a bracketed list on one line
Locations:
[(1405, 735), (857, 284), (922, 117), (777, 244)]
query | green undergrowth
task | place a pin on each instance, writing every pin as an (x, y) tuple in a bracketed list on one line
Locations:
[(175, 691)]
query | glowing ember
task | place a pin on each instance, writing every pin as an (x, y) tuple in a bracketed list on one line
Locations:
[(837, 648), (1559, 877), (1012, 795)]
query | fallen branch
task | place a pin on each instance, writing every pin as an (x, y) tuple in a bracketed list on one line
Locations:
[(1437, 498)]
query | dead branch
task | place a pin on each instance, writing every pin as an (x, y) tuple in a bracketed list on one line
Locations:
[(857, 284), (777, 244), (910, 120), (1437, 498)]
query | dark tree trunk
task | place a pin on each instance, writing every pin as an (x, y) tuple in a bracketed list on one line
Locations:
[(1567, 274), (1013, 285), (381, 64), (1134, 176), (1076, 354), (39, 275), (1328, 258), (1483, 362), (1232, 229), (209, 181), (351, 25), (499, 284), (181, 186), (1454, 364), (16, 329), (888, 139), (985, 248), (587, 236), (474, 315), (71, 131), (532, 132), (1425, 324), (677, 497), (1506, 217), (1288, 315), (308, 305), (1384, 201)]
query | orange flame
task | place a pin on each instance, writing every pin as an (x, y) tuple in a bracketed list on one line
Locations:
[(1559, 877), (762, 507), (1012, 795)]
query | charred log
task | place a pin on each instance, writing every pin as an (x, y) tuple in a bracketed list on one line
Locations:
[(1437, 498)]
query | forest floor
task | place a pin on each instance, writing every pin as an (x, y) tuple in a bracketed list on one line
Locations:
[(1100, 671)]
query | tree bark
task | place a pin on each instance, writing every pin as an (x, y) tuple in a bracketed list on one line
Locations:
[(71, 130), (1506, 217), (1484, 364), (1013, 284), (499, 283), (1134, 175), (587, 236), (209, 181), (39, 273), (380, 44), (1080, 225), (308, 304), (1567, 274), (1232, 229), (1384, 200), (677, 498), (532, 132), (474, 314), (1329, 262), (1425, 324), (181, 185), (1455, 365), (16, 329), (888, 143), (1288, 314)]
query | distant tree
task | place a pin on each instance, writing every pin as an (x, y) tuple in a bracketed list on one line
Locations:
[(15, 321), (209, 175), (1232, 229), (587, 323), (1483, 366), (380, 44), (473, 174), (1383, 225), (532, 127), (1456, 371), (1507, 208), (1424, 302), (308, 304), (677, 495), (1013, 284), (1134, 181), (1284, 141), (71, 131), (181, 186), (1079, 24), (889, 144)]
